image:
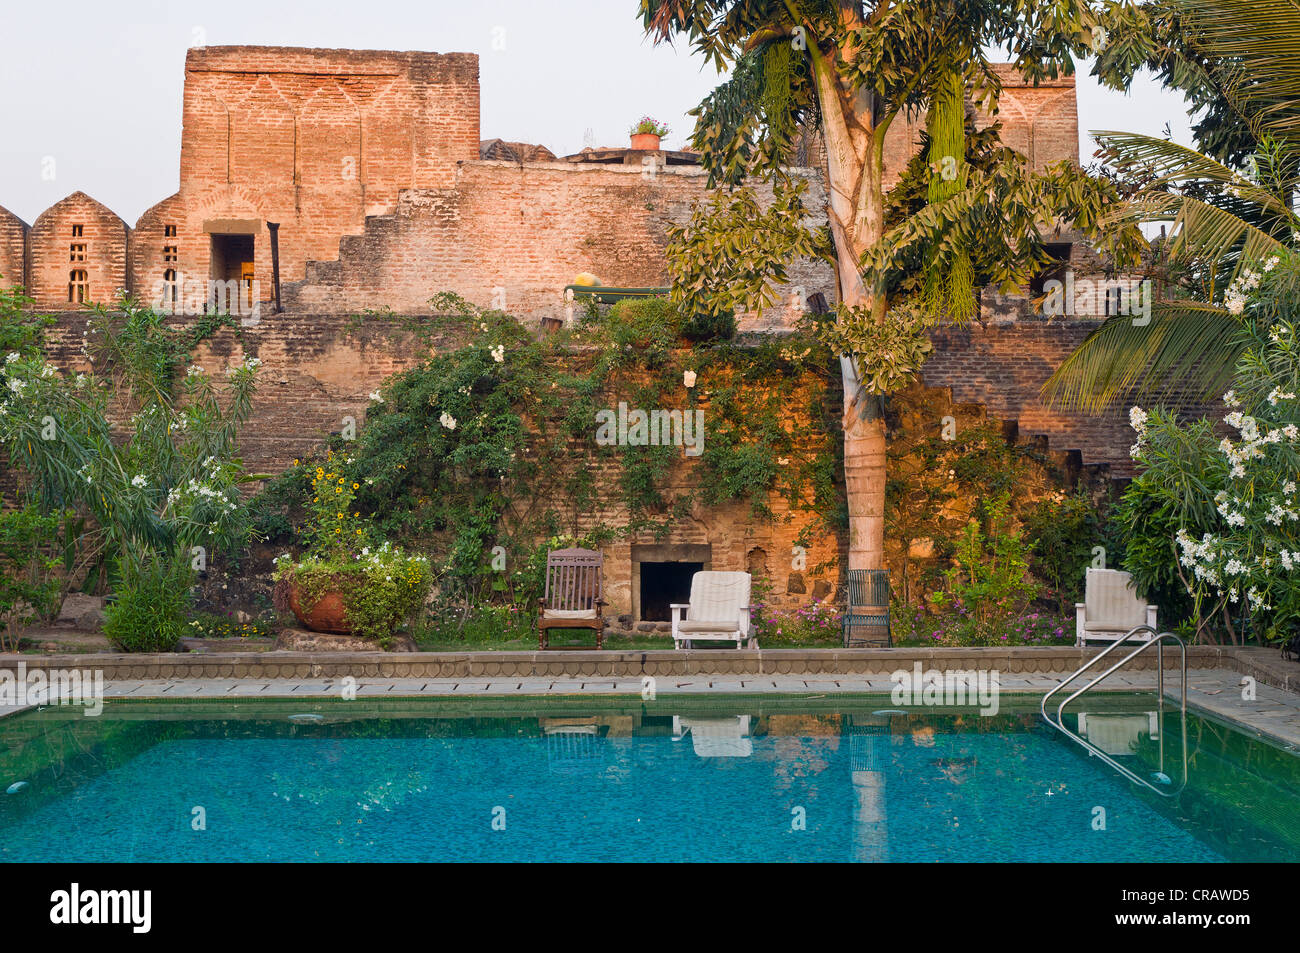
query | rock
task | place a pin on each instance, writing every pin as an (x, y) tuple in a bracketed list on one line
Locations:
[(795, 584), (301, 640), (921, 548), (645, 626), (821, 589), (92, 620), (625, 622), (78, 605), (243, 617)]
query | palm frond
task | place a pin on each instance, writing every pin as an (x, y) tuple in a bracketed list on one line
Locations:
[(1188, 349), (1170, 164), (1262, 39), (1207, 235)]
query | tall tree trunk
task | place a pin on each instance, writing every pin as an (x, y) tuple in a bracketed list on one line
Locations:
[(857, 221)]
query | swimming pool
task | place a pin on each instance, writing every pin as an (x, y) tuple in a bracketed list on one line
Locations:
[(730, 778)]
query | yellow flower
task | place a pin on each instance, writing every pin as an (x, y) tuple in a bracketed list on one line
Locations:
[(356, 486)]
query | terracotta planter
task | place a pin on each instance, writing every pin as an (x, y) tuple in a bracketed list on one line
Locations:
[(645, 140), (325, 616)]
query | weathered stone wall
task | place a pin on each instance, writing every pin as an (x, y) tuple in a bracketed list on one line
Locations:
[(318, 368), (1004, 365)]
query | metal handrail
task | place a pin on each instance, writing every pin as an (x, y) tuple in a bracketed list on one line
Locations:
[(1157, 639)]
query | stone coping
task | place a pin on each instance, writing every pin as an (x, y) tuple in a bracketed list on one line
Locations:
[(635, 664)]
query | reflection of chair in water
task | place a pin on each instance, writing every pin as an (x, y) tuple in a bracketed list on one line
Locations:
[(868, 744), (869, 752), (572, 742), (716, 737), (1116, 733)]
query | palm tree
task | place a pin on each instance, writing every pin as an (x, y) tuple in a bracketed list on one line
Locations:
[(1240, 61)]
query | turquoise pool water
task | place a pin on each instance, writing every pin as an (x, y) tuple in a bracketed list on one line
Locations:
[(735, 779)]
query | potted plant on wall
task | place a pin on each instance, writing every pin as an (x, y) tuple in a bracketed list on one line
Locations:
[(647, 132), (348, 582)]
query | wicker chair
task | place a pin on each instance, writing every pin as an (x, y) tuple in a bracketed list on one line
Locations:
[(573, 597)]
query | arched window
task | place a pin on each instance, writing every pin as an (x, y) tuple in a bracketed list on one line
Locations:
[(170, 293), (78, 286)]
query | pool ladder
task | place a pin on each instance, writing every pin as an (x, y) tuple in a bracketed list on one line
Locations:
[(1166, 788)]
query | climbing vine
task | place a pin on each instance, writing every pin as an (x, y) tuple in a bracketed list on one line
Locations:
[(488, 452)]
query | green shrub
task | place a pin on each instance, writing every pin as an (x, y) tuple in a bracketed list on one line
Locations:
[(153, 601), (29, 590), (1064, 530), (990, 585)]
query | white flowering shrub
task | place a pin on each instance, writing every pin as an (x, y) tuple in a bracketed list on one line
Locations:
[(155, 486), (1226, 495)]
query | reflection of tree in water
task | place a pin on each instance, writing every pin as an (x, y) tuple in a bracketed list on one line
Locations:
[(801, 747)]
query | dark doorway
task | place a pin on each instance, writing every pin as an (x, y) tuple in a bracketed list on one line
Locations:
[(662, 584), (232, 261), (1054, 270)]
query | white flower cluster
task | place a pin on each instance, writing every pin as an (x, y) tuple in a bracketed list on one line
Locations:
[(250, 364), (499, 353), (1234, 299), (1252, 441), (194, 491), (447, 420), (1137, 419)]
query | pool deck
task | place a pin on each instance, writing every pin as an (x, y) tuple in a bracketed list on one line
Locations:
[(1215, 677)]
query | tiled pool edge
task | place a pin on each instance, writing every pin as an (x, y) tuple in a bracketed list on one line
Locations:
[(1214, 682), (636, 664)]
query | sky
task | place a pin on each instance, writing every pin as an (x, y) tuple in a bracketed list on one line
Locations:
[(92, 89)]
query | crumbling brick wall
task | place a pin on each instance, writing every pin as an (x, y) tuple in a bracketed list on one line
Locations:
[(511, 236)]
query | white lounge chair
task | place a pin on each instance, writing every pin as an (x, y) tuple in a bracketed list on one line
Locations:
[(1111, 607), (716, 737), (1119, 733), (718, 611)]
